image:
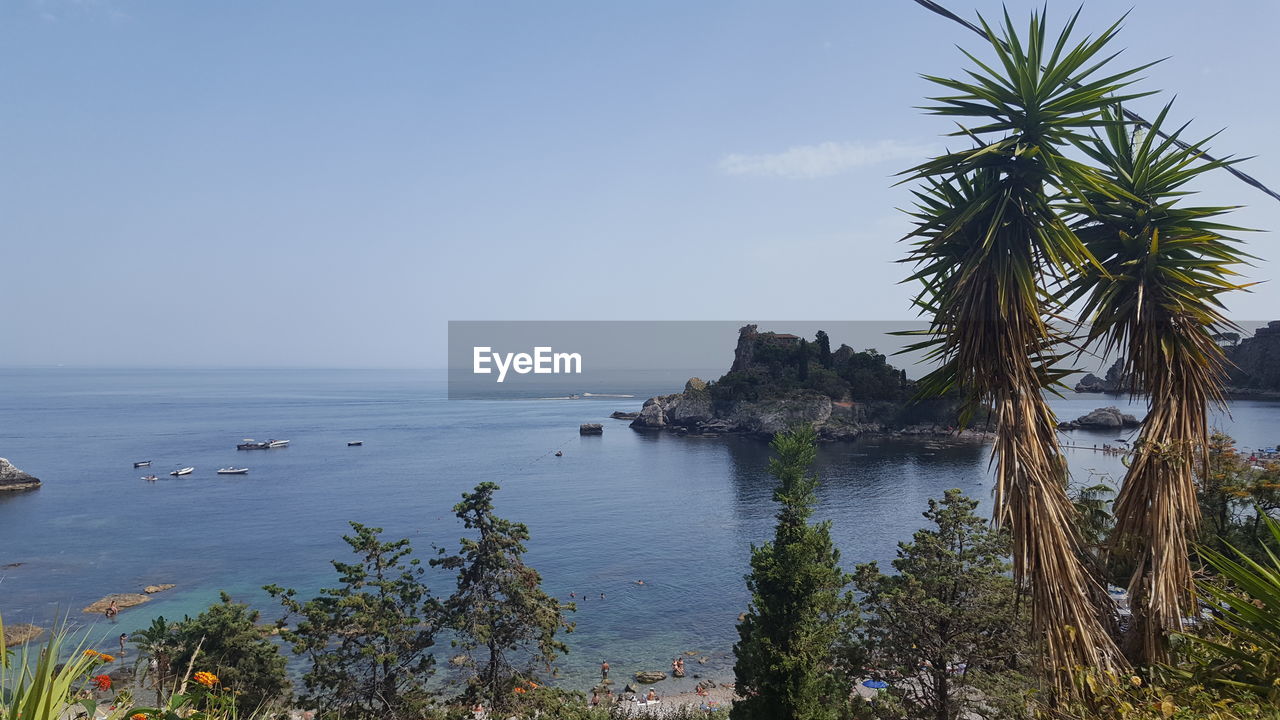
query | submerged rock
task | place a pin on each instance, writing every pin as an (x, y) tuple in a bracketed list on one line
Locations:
[(20, 634), (620, 415), (649, 677), (122, 600), (153, 589), (11, 478)]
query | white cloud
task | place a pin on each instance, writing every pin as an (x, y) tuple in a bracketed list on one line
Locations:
[(822, 160)]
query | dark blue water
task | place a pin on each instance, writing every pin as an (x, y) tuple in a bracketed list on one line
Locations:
[(678, 513)]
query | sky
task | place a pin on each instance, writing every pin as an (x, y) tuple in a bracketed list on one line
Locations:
[(327, 184)]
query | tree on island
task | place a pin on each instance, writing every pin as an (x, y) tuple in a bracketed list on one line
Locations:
[(950, 617), (369, 639), (788, 655), (505, 623), (824, 349)]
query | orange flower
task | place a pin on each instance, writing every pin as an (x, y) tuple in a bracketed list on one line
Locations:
[(206, 679), (519, 690), (107, 658), (137, 716), (102, 682)]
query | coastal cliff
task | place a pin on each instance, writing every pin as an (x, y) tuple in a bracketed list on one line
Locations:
[(11, 478), (778, 380), (1256, 361)]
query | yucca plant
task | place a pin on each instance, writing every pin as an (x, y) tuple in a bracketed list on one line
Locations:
[(1245, 656), (993, 253), (45, 687), (1154, 297)]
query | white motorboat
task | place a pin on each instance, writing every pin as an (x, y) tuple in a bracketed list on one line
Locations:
[(142, 463), (233, 471), (183, 471), (277, 443)]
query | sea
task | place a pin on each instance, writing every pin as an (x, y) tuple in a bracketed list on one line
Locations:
[(650, 532)]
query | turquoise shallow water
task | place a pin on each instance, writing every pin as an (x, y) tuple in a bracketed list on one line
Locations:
[(679, 513)]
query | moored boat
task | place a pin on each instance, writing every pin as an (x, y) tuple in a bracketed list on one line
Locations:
[(150, 478), (183, 471), (355, 443), (251, 444), (142, 463), (233, 471), (277, 443)]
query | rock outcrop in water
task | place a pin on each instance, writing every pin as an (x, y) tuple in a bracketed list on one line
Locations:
[(1115, 381), (11, 478), (778, 380), (1107, 418)]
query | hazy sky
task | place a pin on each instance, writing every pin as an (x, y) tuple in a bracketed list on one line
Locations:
[(327, 184)]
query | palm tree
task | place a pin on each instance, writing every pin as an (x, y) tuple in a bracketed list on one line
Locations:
[(1154, 297), (158, 642), (993, 253)]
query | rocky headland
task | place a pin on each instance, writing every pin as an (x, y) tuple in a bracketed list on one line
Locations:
[(1256, 363), (11, 478), (778, 380), (1253, 366)]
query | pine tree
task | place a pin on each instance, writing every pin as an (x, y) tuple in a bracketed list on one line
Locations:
[(499, 610), (369, 639), (226, 640), (788, 665), (802, 359), (949, 619)]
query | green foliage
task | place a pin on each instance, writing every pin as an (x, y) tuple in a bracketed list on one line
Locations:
[(226, 640), (499, 610), (822, 343), (948, 617), (1244, 653), (48, 687), (369, 639), (788, 665)]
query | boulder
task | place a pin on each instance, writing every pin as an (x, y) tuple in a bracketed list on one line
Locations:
[(591, 429), (123, 600), (153, 589), (649, 677), (1107, 418), (620, 415), (21, 634), (11, 478)]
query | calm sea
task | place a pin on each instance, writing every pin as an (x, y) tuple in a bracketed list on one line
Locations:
[(678, 513)]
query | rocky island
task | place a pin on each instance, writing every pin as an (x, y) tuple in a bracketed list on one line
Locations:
[(779, 379), (11, 478)]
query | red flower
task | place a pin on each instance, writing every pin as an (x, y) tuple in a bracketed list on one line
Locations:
[(102, 682)]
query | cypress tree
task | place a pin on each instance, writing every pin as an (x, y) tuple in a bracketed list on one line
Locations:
[(788, 665)]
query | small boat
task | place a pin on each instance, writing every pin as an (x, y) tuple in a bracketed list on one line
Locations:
[(277, 443), (251, 444), (142, 463), (150, 478), (355, 443), (233, 471), (183, 471)]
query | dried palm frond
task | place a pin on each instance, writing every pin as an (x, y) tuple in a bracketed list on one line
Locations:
[(1155, 299), (993, 254)]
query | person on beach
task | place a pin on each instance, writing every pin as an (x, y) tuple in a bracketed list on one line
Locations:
[(604, 669), (124, 638), (652, 696), (595, 698), (679, 667), (112, 611)]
